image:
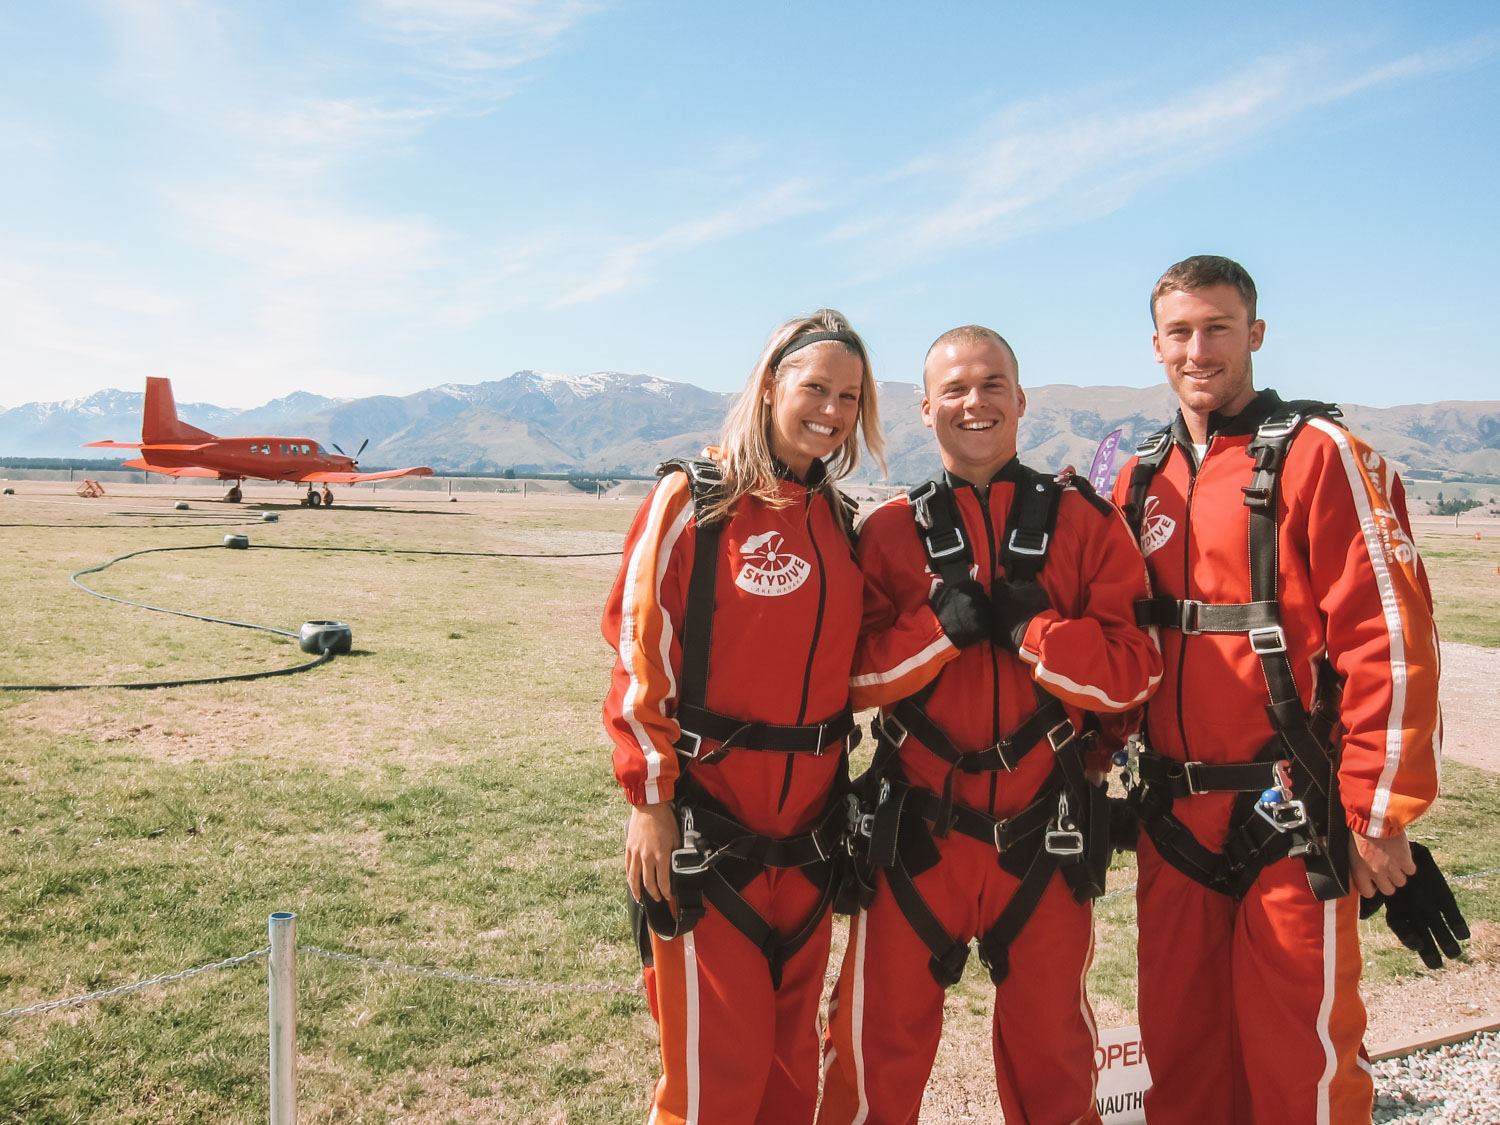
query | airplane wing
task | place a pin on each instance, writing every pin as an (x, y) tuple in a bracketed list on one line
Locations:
[(138, 445), (175, 471), (355, 478)]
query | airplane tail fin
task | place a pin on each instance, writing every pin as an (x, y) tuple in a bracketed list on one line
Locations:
[(159, 422)]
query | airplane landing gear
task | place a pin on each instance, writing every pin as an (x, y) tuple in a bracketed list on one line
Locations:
[(312, 499), (234, 495)]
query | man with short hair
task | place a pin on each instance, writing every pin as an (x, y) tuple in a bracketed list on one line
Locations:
[(998, 624), (1292, 606)]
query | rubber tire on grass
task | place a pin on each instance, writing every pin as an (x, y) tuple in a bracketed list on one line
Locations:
[(237, 542), (318, 637)]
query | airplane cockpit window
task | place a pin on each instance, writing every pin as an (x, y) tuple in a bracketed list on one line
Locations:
[(305, 450)]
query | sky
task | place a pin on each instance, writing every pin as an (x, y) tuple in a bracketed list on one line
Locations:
[(380, 196)]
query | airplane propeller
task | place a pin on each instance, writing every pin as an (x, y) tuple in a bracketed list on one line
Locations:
[(357, 452)]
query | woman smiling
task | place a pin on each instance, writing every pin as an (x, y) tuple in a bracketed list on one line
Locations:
[(735, 616)]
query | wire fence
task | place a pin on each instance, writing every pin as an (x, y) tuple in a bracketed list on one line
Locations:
[(436, 973), (136, 986)]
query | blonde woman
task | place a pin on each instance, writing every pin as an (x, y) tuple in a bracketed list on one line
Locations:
[(735, 616)]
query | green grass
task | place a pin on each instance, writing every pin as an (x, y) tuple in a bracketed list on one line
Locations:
[(1465, 577), (440, 797)]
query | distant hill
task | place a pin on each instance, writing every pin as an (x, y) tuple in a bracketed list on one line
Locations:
[(615, 423)]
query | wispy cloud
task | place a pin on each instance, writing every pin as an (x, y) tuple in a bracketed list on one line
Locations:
[(468, 39), (628, 265), (1049, 163)]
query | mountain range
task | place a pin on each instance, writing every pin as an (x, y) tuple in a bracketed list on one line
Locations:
[(611, 423)]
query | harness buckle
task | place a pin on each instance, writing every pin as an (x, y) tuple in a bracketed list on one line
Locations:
[(1268, 640), (1057, 741), (1039, 538), (1188, 618), (1062, 836), (955, 545), (1284, 816), (1279, 427), (690, 859), (1189, 773), (892, 729), (1002, 833), (919, 500), (696, 738)]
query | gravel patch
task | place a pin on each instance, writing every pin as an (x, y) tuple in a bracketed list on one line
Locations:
[(1458, 1083)]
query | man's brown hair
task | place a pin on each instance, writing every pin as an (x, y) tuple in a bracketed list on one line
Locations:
[(1202, 271)]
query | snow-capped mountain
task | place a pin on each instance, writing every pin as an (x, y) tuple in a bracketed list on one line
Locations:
[(614, 422)]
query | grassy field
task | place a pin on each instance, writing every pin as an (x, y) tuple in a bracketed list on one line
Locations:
[(442, 797)]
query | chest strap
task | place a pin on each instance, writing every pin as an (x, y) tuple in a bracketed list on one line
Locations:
[(817, 739)]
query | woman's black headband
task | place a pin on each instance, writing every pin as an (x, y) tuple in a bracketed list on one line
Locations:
[(801, 342)]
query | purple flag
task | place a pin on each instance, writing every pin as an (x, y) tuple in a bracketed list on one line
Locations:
[(1104, 462)]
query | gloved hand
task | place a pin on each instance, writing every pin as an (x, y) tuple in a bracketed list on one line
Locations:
[(1422, 912), (1015, 604), (963, 611), (1124, 825)]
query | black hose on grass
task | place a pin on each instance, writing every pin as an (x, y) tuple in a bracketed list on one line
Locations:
[(322, 659)]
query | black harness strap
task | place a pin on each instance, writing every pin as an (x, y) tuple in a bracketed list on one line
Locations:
[(696, 721), (1314, 772), (1034, 843), (720, 856), (717, 871)]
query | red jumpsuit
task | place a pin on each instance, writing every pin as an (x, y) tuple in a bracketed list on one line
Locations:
[(886, 1013), (1250, 1011), (734, 1049)]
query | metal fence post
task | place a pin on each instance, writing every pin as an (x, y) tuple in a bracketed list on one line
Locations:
[(283, 989)]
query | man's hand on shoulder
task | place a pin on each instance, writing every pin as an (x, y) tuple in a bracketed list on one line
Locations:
[(963, 611)]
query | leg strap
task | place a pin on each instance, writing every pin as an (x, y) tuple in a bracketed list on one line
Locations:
[(704, 871)]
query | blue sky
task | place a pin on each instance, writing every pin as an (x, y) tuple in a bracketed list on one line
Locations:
[(378, 196)]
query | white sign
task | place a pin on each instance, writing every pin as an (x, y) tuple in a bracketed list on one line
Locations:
[(1123, 1076)]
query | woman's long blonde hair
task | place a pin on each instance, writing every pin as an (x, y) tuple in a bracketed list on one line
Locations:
[(748, 464)]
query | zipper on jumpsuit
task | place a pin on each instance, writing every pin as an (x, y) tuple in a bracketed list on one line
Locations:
[(989, 538), (812, 651)]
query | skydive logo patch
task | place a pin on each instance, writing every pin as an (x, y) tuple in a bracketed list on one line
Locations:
[(1156, 528), (769, 571)]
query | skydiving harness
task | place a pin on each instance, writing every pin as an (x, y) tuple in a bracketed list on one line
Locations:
[(1288, 798), (719, 856), (1055, 830)]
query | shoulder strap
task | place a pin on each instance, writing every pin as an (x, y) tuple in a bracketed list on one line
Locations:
[(1033, 519), (704, 478), (1290, 719), (846, 511), (949, 554), (1150, 455)]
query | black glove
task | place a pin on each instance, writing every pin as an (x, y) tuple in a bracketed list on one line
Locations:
[(1124, 825), (1422, 911), (1015, 604), (963, 611)]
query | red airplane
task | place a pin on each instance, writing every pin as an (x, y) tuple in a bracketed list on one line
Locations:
[(170, 446)]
